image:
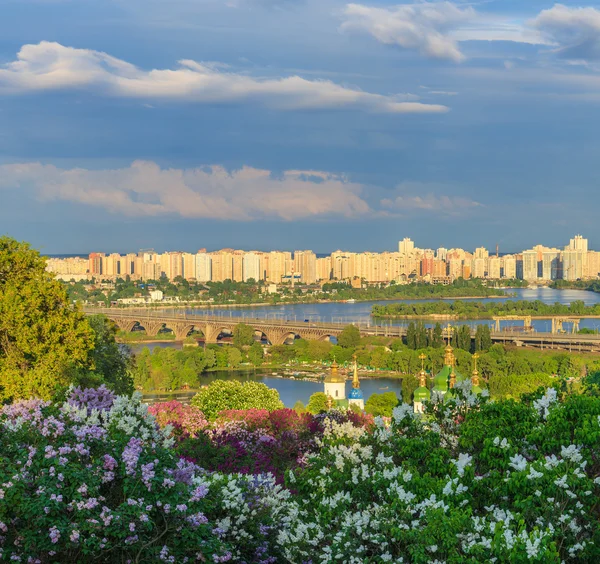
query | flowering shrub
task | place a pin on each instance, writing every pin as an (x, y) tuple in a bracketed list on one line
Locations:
[(78, 483), (470, 481), (460, 485), (186, 418)]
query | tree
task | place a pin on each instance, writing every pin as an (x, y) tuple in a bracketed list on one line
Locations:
[(233, 394), (234, 357), (411, 336), (420, 336), (349, 337), (483, 338), (256, 354), (243, 335), (299, 408), (111, 362), (381, 404), (317, 403), (437, 339), (43, 340)]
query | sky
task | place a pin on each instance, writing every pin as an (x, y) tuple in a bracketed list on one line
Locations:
[(298, 124)]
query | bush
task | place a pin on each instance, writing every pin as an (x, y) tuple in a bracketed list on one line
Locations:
[(102, 483), (232, 394)]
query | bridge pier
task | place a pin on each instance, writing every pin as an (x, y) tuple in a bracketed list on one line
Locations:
[(211, 333)]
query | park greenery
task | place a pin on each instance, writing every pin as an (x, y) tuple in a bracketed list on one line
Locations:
[(461, 309)]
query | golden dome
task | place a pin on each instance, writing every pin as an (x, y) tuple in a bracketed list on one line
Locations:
[(334, 377)]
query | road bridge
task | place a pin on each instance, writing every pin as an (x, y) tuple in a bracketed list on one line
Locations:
[(278, 331)]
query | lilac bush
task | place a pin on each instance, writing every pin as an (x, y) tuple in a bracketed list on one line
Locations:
[(100, 398), (105, 484)]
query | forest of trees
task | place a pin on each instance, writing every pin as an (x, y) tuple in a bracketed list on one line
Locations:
[(461, 309)]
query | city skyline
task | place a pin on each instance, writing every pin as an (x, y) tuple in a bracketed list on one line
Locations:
[(312, 123), (574, 261)]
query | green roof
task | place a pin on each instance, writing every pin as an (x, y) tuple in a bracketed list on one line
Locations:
[(440, 381), (421, 394)]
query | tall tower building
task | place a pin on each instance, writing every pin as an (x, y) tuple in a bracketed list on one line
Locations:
[(251, 267), (203, 267), (406, 246)]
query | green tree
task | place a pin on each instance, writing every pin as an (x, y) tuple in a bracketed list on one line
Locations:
[(243, 335), (420, 336), (437, 339), (381, 404), (234, 357), (256, 354), (317, 403), (349, 337), (111, 362), (299, 408), (411, 336), (233, 394), (43, 340)]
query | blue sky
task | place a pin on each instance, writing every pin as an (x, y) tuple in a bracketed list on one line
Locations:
[(181, 124)]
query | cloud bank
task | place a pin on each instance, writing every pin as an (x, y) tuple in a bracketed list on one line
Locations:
[(434, 29), (248, 194), (576, 31), (50, 66)]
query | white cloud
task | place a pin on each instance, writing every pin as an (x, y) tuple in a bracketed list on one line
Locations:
[(424, 27), (52, 66), (576, 31), (435, 29), (423, 197), (144, 189)]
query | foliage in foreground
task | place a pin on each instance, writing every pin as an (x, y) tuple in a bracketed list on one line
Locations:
[(471, 481)]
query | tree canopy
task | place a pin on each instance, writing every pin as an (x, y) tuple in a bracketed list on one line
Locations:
[(42, 337), (233, 394)]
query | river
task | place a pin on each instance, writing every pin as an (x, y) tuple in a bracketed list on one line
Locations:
[(360, 312)]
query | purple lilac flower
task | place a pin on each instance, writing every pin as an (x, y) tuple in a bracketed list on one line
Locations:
[(185, 471), (199, 493), (74, 536), (197, 519), (100, 398), (54, 535), (147, 474), (131, 455)]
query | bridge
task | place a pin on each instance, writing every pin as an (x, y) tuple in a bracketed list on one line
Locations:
[(278, 332)]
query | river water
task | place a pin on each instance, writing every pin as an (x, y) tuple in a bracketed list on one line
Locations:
[(338, 312)]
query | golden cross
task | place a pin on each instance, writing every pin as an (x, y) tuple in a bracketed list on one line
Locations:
[(422, 356)]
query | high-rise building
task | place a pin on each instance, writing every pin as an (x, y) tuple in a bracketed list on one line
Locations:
[(238, 266), (305, 266), (203, 267), (279, 264), (324, 268), (96, 260), (531, 261), (189, 266), (222, 265), (251, 267), (406, 246), (510, 267), (550, 264), (494, 268)]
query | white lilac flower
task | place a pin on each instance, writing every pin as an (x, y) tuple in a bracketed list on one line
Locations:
[(572, 453), (462, 462), (518, 462), (402, 412), (543, 404)]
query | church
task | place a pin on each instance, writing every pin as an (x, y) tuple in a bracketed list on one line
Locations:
[(335, 388)]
